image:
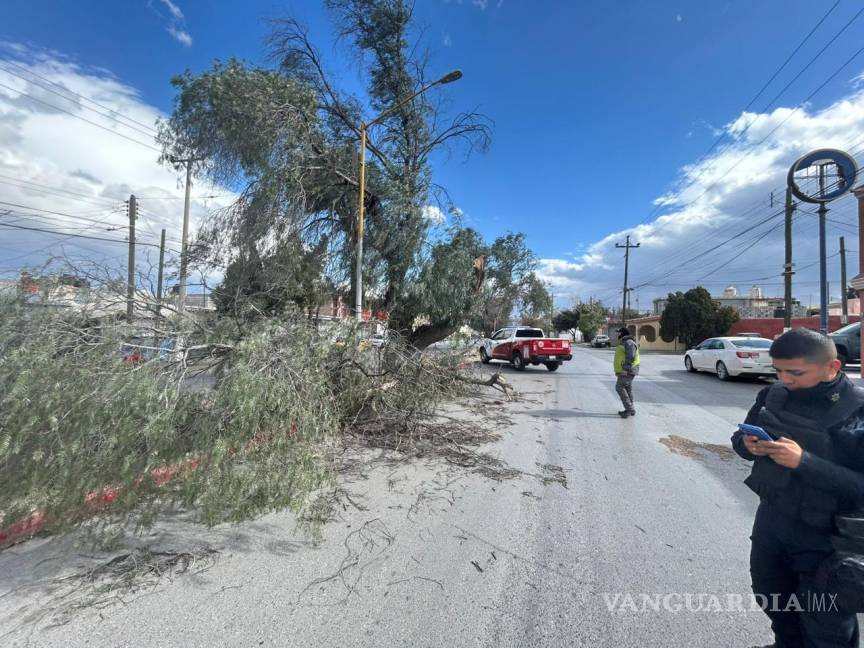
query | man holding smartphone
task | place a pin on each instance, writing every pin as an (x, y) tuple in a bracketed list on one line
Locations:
[(812, 470)]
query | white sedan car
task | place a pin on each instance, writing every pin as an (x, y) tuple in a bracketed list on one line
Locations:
[(731, 356)]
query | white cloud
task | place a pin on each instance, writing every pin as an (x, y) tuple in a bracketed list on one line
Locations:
[(448, 40), (180, 36), (52, 161), (176, 22), (480, 3), (434, 214), (719, 197), (176, 14), (678, 18)]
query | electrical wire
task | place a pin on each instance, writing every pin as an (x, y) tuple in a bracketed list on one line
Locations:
[(80, 96), (84, 119)]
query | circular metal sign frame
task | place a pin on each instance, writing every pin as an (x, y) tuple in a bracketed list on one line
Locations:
[(841, 159)]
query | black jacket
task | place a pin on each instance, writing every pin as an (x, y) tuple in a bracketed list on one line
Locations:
[(844, 477)]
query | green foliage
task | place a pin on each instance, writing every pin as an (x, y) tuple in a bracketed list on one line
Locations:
[(288, 276), (694, 316), (288, 138), (510, 285), (227, 117), (76, 420), (567, 319), (591, 318), (535, 302)]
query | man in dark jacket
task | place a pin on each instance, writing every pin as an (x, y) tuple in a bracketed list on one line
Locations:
[(626, 365), (814, 470)]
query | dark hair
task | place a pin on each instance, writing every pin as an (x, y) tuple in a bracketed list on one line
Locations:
[(623, 331), (804, 344)]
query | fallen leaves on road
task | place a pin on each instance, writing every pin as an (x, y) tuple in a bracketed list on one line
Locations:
[(552, 474), (689, 448), (118, 580)]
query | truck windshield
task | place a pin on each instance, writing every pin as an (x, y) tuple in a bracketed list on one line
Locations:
[(529, 333)]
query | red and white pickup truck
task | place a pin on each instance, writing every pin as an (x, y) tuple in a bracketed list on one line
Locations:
[(523, 345)]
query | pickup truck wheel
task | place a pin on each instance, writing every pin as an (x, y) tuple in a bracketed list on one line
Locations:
[(518, 362), (553, 366), (484, 357)]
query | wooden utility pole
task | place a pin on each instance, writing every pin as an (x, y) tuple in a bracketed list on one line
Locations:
[(627, 247), (130, 285), (844, 317), (787, 266)]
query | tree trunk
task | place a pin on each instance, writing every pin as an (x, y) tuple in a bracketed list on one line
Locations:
[(427, 334)]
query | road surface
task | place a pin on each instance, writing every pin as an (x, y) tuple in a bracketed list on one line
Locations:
[(653, 511)]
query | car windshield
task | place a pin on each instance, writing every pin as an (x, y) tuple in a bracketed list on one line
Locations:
[(752, 343), (849, 328), (529, 333)]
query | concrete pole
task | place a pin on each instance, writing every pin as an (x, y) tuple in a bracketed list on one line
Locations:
[(130, 284)]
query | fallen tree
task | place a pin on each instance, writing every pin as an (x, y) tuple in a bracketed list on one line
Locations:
[(249, 426)]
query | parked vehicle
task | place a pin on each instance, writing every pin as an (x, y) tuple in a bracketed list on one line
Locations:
[(599, 341), (523, 345), (848, 343), (731, 356)]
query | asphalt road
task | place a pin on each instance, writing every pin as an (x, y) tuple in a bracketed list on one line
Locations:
[(652, 507)]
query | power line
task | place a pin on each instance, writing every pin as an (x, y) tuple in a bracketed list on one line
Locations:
[(84, 119), (148, 133), (84, 236), (725, 134), (777, 127), (666, 260), (76, 94), (50, 220), (805, 68), (48, 211), (56, 191)]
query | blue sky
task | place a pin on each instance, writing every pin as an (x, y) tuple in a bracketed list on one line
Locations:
[(598, 108)]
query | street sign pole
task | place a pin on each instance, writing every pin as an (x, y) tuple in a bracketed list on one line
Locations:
[(845, 171)]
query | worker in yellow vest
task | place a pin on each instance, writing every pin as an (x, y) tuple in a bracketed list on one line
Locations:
[(626, 368)]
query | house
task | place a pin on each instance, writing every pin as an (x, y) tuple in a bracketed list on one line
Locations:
[(752, 305), (646, 330)]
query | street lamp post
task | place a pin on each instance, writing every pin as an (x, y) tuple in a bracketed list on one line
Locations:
[(455, 75)]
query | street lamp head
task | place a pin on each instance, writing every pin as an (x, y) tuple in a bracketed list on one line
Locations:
[(450, 77)]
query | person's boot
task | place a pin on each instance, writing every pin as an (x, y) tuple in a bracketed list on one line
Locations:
[(624, 413)]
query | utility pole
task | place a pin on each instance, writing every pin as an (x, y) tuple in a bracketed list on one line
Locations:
[(161, 271), (130, 284), (844, 317), (184, 261), (627, 247), (857, 282), (787, 266)]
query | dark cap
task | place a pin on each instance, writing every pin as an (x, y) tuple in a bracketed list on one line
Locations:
[(623, 331)]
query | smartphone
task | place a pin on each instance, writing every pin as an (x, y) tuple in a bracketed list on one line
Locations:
[(755, 430)]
